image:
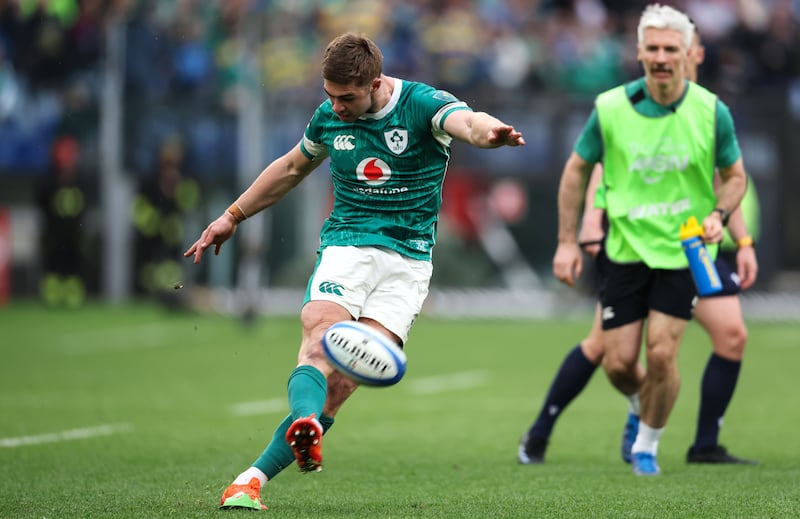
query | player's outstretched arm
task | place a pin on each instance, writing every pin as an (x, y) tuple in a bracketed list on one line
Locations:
[(271, 185), (482, 130)]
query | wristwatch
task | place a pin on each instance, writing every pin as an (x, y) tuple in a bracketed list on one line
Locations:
[(723, 214)]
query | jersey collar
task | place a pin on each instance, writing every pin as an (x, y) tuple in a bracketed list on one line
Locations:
[(380, 114)]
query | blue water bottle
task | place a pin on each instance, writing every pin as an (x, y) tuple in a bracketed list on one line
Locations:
[(704, 272)]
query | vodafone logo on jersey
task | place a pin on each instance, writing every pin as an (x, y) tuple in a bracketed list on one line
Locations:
[(373, 171)]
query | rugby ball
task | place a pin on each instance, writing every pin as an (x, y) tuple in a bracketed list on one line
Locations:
[(364, 354)]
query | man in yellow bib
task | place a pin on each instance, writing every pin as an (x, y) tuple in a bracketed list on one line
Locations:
[(659, 139), (719, 314)]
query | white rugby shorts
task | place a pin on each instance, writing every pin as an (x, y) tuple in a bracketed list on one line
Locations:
[(372, 282)]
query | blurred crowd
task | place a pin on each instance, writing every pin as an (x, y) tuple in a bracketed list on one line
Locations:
[(185, 64), (191, 51)]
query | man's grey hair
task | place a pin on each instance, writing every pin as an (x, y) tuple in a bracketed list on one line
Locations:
[(659, 16)]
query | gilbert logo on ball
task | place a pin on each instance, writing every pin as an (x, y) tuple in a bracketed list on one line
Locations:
[(364, 354)]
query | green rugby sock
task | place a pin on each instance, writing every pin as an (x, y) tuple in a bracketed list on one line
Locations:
[(307, 390)]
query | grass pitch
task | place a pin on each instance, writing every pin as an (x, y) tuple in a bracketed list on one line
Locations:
[(137, 412)]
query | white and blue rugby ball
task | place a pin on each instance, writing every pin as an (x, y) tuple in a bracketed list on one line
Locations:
[(364, 354)]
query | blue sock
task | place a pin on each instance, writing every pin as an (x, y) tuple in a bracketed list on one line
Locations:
[(573, 375), (278, 455), (716, 391), (307, 391)]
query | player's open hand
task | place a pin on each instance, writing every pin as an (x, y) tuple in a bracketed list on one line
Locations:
[(217, 233), (506, 136), (568, 263)]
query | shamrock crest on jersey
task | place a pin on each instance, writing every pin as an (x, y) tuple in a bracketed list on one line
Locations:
[(397, 140)]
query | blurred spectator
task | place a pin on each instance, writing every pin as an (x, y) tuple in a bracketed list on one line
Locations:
[(158, 216), (147, 65), (64, 243), (10, 89), (44, 53), (773, 39), (454, 40), (583, 57), (399, 40)]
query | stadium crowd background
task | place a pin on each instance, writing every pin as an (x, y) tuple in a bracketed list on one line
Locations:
[(191, 71)]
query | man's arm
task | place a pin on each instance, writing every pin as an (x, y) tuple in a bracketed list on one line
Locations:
[(271, 185), (592, 233), (276, 180), (729, 194), (746, 262), (481, 130), (567, 262)]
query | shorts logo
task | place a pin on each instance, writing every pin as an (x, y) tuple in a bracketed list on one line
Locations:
[(373, 171), (608, 313), (397, 140), (329, 287), (344, 142)]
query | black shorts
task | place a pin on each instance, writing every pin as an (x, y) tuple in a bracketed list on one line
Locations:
[(728, 277), (628, 291)]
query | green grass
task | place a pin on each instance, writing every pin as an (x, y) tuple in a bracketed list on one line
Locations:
[(168, 383)]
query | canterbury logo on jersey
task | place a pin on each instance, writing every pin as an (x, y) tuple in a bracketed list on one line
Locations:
[(608, 313), (344, 142), (329, 287)]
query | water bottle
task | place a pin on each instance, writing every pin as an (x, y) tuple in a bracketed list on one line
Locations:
[(704, 272)]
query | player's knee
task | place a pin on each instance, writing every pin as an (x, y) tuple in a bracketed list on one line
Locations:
[(592, 348), (616, 367), (661, 358), (730, 342), (312, 319)]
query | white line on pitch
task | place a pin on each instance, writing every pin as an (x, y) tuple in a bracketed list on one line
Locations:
[(71, 434), (273, 405), (452, 382)]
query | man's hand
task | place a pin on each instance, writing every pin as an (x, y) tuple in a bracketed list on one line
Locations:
[(217, 233), (746, 266), (505, 136), (712, 228), (568, 263)]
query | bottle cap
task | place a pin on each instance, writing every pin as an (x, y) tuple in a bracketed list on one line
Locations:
[(690, 229)]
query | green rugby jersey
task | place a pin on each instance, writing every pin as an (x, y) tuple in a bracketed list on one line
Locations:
[(387, 168)]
